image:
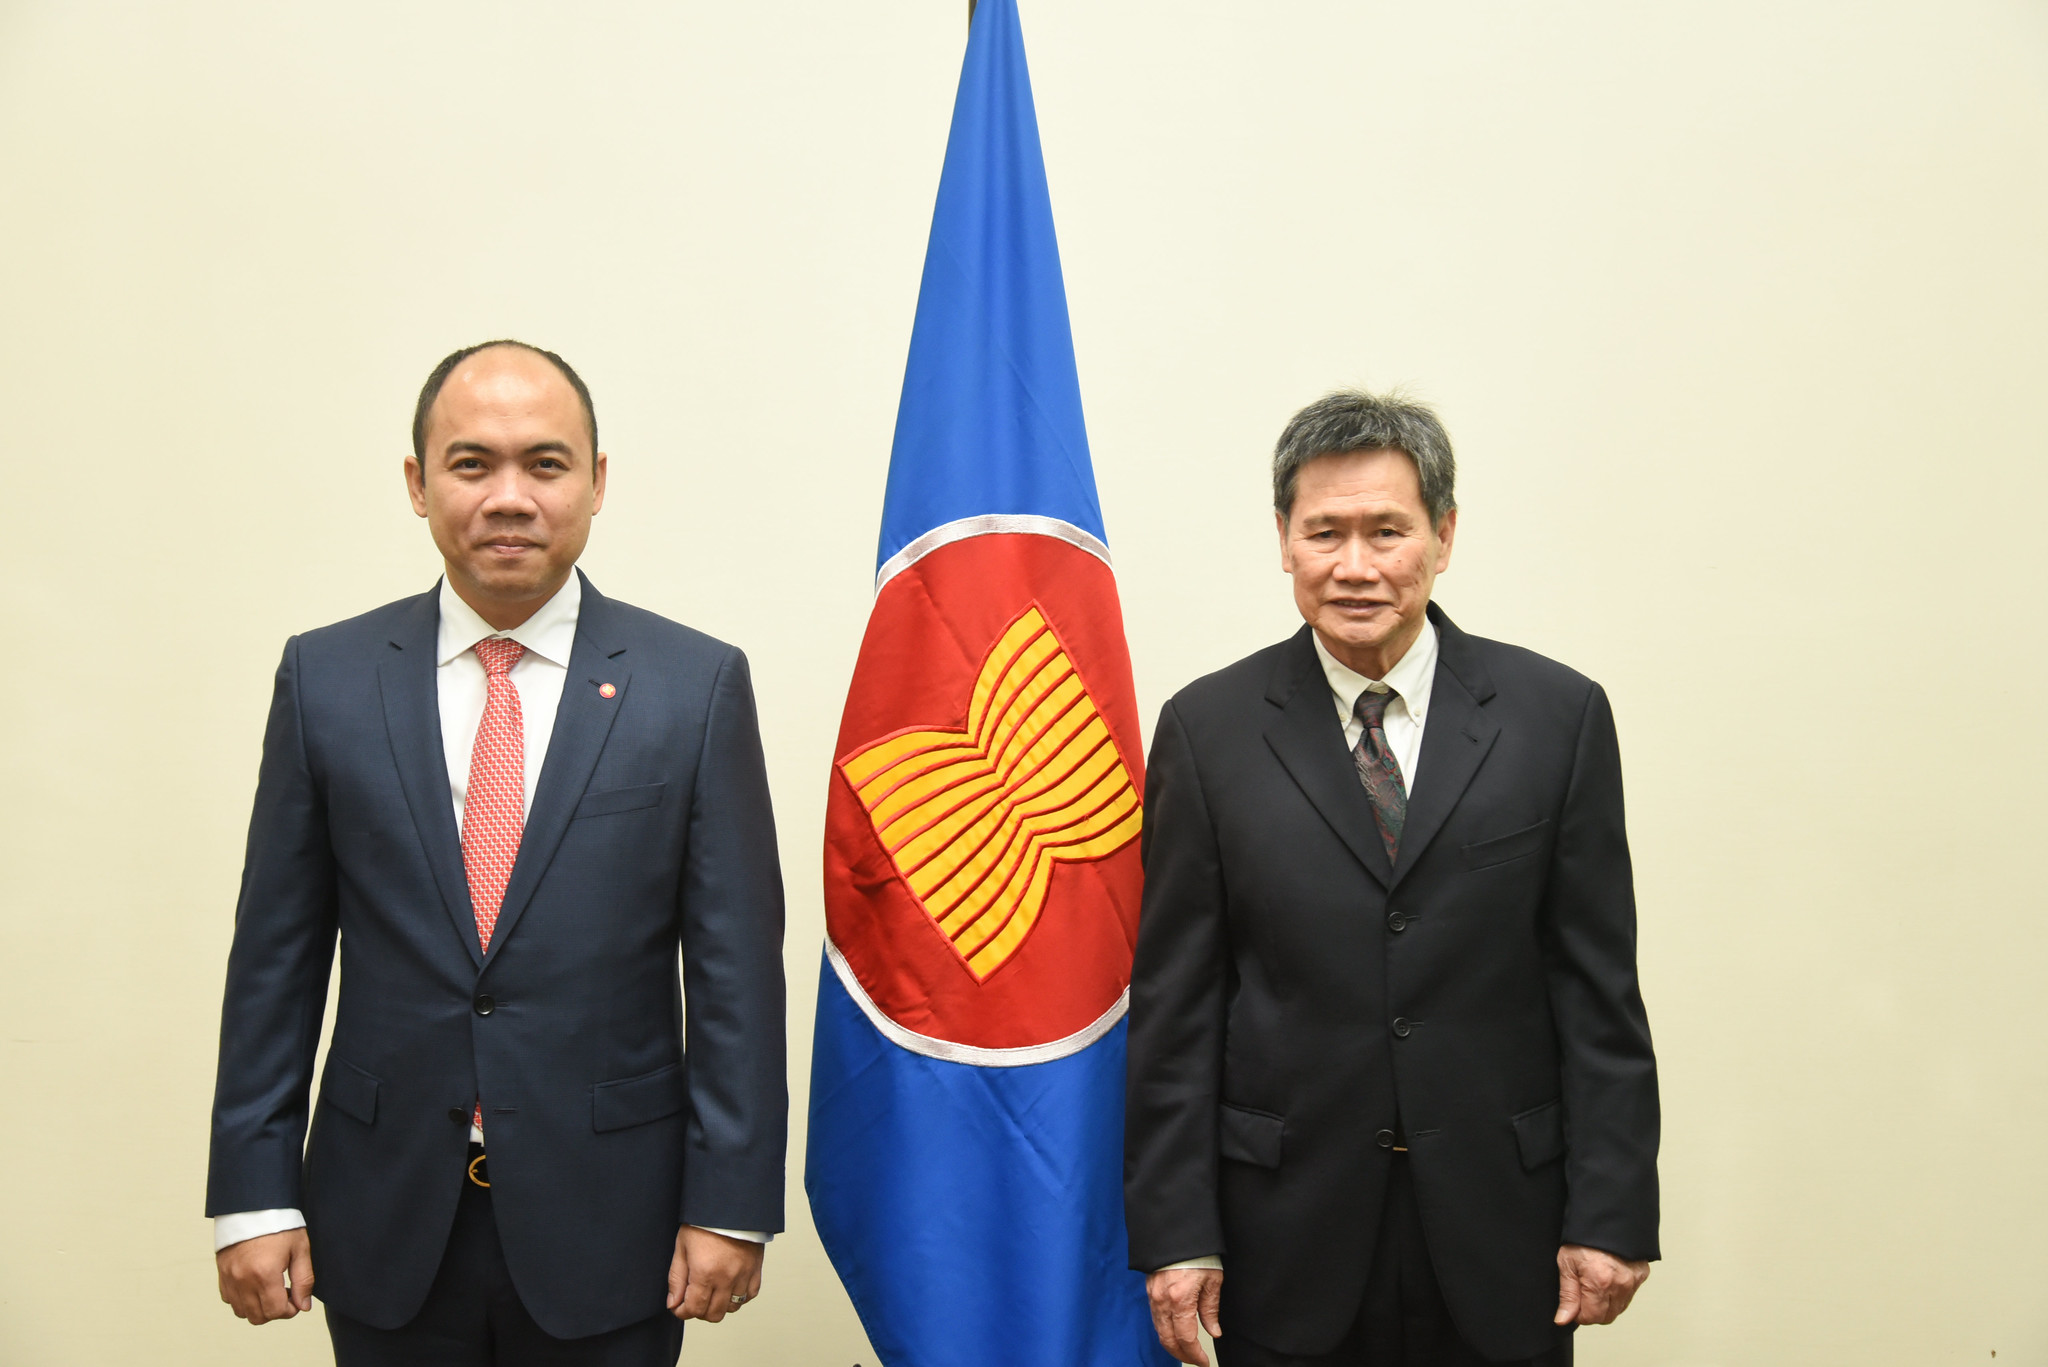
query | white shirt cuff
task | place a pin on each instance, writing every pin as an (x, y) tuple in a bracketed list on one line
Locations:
[(253, 1224), (1212, 1262)]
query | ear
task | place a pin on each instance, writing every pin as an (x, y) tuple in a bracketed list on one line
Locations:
[(597, 470), (1446, 532), (416, 484), (1286, 547)]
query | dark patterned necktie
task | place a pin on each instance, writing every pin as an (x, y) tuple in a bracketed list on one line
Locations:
[(1379, 771)]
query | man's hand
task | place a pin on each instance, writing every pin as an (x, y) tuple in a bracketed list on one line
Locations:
[(708, 1271), (1181, 1298), (1595, 1287), (269, 1277)]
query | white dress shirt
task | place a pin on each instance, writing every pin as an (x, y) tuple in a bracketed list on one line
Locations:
[(1411, 680), (462, 688)]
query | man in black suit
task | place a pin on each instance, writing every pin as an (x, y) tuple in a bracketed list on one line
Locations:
[(1389, 1062), (513, 800)]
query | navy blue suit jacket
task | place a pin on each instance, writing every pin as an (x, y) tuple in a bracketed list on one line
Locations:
[(650, 832)]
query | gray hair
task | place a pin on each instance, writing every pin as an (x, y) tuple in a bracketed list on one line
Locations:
[(1353, 420)]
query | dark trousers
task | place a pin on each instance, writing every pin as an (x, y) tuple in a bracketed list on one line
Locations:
[(473, 1318), (1402, 1321)]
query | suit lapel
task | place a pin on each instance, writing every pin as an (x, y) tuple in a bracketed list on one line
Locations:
[(412, 719), (1309, 741), (1455, 740), (582, 723)]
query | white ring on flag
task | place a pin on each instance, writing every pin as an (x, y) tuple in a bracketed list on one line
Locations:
[(967, 1053), (988, 524)]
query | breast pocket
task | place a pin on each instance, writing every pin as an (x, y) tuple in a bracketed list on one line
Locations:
[(1504, 849), (615, 800)]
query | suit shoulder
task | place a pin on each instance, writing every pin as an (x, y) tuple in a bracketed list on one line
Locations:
[(368, 629), (1229, 690), (651, 630), (1524, 670)]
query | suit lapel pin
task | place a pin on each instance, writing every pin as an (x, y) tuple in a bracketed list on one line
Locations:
[(607, 691)]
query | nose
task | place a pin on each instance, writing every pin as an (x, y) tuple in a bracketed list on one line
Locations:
[(1355, 562), (506, 495)]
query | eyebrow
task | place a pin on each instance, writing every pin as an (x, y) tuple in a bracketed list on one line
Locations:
[(455, 448), (1377, 518)]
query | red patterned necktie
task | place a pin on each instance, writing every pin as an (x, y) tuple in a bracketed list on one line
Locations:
[(494, 805), (1379, 771), (494, 808)]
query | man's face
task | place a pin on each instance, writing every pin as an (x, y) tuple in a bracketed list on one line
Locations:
[(1363, 554), (509, 482)]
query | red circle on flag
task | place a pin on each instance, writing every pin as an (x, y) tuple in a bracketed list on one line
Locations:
[(982, 872)]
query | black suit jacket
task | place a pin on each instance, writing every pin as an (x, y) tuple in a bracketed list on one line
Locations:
[(650, 829), (1294, 996)]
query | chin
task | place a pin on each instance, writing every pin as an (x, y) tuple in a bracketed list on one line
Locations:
[(521, 583), (1357, 633)]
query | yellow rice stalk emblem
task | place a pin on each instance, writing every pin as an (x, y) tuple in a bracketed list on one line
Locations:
[(975, 820)]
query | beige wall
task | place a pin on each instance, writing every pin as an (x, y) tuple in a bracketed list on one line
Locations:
[(1736, 311)]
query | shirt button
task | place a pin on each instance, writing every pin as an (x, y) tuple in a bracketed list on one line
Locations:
[(1396, 922), (485, 1004), (1402, 1027), (1385, 1139)]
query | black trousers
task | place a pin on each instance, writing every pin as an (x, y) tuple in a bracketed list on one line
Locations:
[(1402, 1321), (473, 1318)]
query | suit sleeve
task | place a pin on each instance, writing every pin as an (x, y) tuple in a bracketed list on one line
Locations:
[(733, 991), (1179, 981), (1610, 1075), (277, 976)]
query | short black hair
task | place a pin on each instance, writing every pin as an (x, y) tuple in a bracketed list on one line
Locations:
[(431, 390)]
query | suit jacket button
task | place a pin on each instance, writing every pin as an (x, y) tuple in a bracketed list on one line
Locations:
[(1385, 1139), (1401, 1028), (458, 1115), (485, 1004), (1396, 921)]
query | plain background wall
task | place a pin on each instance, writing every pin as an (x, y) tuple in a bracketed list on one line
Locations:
[(1737, 313)]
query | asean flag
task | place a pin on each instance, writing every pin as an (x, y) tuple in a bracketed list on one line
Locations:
[(981, 851)]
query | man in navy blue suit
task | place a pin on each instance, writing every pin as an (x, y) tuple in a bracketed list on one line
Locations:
[(513, 801)]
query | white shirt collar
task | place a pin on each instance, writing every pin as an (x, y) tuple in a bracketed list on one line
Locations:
[(550, 633), (1412, 676)]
